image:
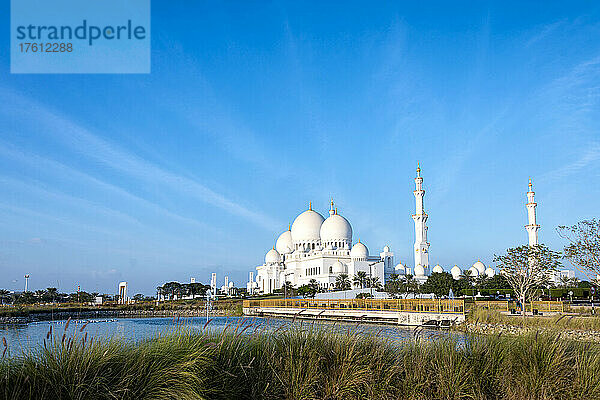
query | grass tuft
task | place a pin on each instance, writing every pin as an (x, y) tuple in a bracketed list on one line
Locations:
[(303, 362)]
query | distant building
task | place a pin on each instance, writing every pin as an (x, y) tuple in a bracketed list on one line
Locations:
[(251, 286), (123, 299), (562, 275), (213, 283)]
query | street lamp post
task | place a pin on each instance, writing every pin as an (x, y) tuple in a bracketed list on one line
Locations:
[(371, 276), (208, 296)]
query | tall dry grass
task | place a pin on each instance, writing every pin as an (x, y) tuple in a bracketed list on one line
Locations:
[(303, 362)]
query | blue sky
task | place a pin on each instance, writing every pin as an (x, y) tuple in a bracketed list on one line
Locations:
[(253, 110)]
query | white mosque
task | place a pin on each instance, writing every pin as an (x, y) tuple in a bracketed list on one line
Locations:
[(321, 249)]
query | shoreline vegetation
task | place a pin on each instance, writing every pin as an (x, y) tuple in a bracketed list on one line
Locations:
[(247, 361), (571, 326)]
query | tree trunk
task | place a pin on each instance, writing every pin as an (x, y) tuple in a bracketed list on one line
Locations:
[(523, 306)]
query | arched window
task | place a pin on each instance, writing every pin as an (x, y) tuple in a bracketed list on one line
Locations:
[(331, 270)]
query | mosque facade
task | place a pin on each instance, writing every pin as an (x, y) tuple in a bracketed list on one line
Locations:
[(322, 249)]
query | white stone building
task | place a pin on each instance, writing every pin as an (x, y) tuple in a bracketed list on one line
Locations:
[(321, 249), (317, 248)]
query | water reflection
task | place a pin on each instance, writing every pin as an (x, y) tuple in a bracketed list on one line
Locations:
[(23, 337)]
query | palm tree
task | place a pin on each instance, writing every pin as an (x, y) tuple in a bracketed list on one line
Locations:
[(288, 289), (314, 285), (374, 282), (469, 277), (52, 293), (4, 294), (40, 294), (342, 282), (411, 284), (360, 279), (392, 286)]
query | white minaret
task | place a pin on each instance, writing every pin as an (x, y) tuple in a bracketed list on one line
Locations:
[(420, 218), (532, 227)]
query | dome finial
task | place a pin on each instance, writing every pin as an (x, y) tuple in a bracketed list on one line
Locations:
[(418, 168), (310, 205), (530, 184), (331, 208), (289, 226)]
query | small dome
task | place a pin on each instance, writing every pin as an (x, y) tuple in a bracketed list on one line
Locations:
[(474, 272), (284, 244), (336, 227), (419, 270), (480, 267), (456, 272), (386, 249), (438, 269), (272, 257), (400, 270), (490, 272), (307, 226), (338, 267), (359, 251)]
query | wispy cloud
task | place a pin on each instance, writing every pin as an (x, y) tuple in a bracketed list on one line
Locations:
[(59, 169), (573, 98), (92, 146), (543, 32), (445, 179), (589, 157)]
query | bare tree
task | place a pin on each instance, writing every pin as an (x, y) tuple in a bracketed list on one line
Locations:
[(527, 269), (583, 249), (566, 282)]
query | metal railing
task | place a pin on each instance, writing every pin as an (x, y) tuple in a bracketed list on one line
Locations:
[(490, 305), (441, 306), (545, 306)]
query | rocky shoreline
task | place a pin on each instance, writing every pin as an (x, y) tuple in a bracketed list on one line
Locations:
[(498, 329)]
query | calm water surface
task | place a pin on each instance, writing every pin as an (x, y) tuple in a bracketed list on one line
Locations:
[(23, 337)]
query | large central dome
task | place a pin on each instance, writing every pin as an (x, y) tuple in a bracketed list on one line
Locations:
[(307, 226), (336, 227)]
